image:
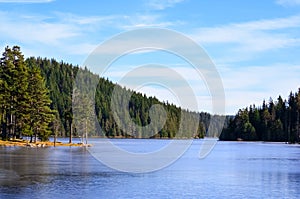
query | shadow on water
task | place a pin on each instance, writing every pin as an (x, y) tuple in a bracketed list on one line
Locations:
[(21, 167)]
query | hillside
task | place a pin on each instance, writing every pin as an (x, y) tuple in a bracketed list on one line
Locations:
[(60, 76), (37, 96)]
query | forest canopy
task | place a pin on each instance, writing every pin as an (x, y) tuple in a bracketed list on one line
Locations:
[(37, 96), (276, 121), (25, 103)]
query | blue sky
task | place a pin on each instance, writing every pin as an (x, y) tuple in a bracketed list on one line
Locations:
[(255, 45)]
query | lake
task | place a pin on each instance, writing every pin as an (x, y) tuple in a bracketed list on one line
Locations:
[(231, 170)]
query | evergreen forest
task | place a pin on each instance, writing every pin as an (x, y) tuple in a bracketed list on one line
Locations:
[(37, 95), (275, 121), (39, 98)]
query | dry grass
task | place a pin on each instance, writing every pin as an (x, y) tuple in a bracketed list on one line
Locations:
[(25, 143)]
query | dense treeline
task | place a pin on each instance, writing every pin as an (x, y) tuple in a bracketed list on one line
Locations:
[(25, 104), (59, 81), (38, 98), (27, 85), (60, 78), (275, 121)]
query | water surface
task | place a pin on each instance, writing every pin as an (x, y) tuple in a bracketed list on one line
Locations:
[(232, 170)]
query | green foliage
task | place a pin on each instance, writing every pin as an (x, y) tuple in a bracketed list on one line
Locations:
[(25, 102), (275, 121), (59, 80), (39, 110), (45, 99)]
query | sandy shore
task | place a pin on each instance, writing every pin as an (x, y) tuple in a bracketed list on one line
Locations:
[(25, 143)]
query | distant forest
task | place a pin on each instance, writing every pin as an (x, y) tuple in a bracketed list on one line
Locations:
[(276, 121), (36, 101)]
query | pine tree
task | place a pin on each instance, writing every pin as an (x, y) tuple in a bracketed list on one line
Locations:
[(7, 90), (21, 94), (2, 105), (40, 113), (14, 95)]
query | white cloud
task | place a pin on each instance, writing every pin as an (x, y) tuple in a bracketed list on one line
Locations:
[(67, 32), (245, 40), (271, 24), (162, 4), (253, 84), (51, 36), (144, 21), (26, 1), (67, 36), (242, 32), (288, 2), (58, 30), (86, 20), (34, 29)]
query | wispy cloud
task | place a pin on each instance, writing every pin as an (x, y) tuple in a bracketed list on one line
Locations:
[(145, 21), (26, 1), (257, 83), (252, 37), (33, 29), (85, 20), (162, 4), (242, 32), (51, 35), (67, 33), (288, 2), (121, 22)]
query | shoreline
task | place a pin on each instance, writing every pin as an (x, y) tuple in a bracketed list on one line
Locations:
[(260, 141), (25, 143), (39, 144)]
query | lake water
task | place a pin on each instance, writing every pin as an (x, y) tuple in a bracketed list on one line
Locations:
[(231, 170)]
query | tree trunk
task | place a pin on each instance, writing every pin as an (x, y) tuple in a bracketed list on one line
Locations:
[(86, 131), (297, 127), (71, 131), (4, 131), (55, 139)]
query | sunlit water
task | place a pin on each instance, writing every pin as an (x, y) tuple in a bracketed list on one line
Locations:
[(231, 170)]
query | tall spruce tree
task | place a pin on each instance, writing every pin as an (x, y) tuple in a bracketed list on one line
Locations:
[(21, 92), (14, 84), (25, 104), (7, 73), (40, 113)]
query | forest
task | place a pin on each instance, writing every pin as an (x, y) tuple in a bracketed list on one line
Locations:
[(25, 104), (275, 121), (37, 96), (38, 100)]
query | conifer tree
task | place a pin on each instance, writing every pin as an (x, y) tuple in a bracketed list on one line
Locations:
[(21, 92), (14, 84), (40, 113)]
